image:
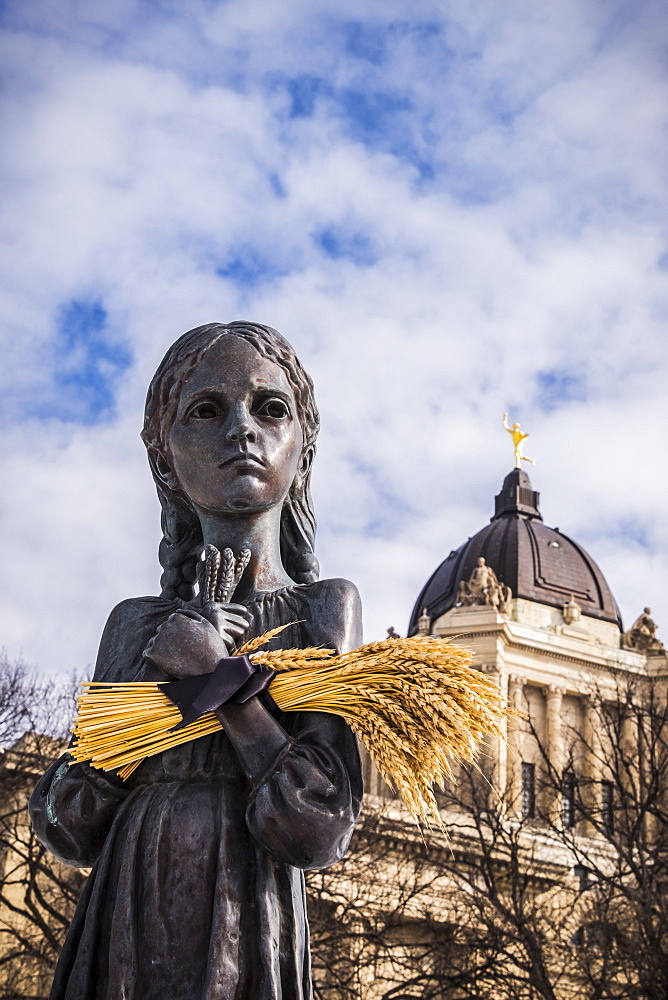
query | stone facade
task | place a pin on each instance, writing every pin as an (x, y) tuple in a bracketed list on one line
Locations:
[(546, 626)]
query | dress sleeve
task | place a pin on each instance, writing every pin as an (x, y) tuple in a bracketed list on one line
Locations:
[(72, 809), (74, 805), (303, 811)]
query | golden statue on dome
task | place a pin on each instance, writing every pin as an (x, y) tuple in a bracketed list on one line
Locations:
[(518, 442)]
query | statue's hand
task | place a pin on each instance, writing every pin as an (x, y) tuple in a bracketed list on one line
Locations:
[(229, 620), (188, 644)]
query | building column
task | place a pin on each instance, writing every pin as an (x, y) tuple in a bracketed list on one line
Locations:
[(373, 783), (501, 764), (630, 762), (517, 703), (493, 759), (646, 771), (554, 748), (592, 764)]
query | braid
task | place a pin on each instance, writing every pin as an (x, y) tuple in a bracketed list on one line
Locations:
[(181, 543), (297, 538), (180, 547)]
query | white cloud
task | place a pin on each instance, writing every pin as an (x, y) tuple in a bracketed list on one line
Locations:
[(147, 148)]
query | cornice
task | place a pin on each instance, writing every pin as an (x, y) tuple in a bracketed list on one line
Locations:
[(596, 661)]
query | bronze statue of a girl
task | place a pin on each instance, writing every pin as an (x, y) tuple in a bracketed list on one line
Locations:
[(197, 891)]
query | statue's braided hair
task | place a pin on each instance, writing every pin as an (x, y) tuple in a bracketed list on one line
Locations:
[(182, 542)]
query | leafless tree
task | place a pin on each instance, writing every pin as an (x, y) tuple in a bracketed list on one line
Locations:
[(614, 821), (470, 918), (562, 896), (37, 893)]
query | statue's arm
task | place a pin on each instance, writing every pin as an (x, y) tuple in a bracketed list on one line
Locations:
[(306, 782), (72, 809), (303, 809), (74, 805)]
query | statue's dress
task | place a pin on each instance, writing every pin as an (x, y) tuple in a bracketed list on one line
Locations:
[(197, 891)]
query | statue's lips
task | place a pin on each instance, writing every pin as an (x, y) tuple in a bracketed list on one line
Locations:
[(243, 457)]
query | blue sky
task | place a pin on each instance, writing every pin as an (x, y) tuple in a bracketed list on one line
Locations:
[(450, 210)]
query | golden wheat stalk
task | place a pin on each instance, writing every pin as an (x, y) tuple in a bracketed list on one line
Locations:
[(416, 704)]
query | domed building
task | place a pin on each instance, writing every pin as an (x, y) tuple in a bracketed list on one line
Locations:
[(576, 785), (540, 566), (539, 615)]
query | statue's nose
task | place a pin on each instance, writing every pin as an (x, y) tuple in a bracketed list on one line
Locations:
[(242, 430)]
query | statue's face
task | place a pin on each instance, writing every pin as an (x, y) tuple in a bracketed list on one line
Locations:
[(236, 443)]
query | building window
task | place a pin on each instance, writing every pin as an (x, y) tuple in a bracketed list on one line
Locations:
[(528, 790), (607, 806), (581, 873), (568, 800)]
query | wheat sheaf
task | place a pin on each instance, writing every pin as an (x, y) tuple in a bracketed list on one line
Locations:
[(417, 705)]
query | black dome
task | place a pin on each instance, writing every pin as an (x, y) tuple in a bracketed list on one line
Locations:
[(538, 563)]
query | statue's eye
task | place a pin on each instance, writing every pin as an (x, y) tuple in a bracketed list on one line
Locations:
[(204, 411), (275, 408)]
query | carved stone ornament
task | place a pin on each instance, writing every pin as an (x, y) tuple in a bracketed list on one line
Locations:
[(642, 635), (485, 590), (572, 612), (424, 623)]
